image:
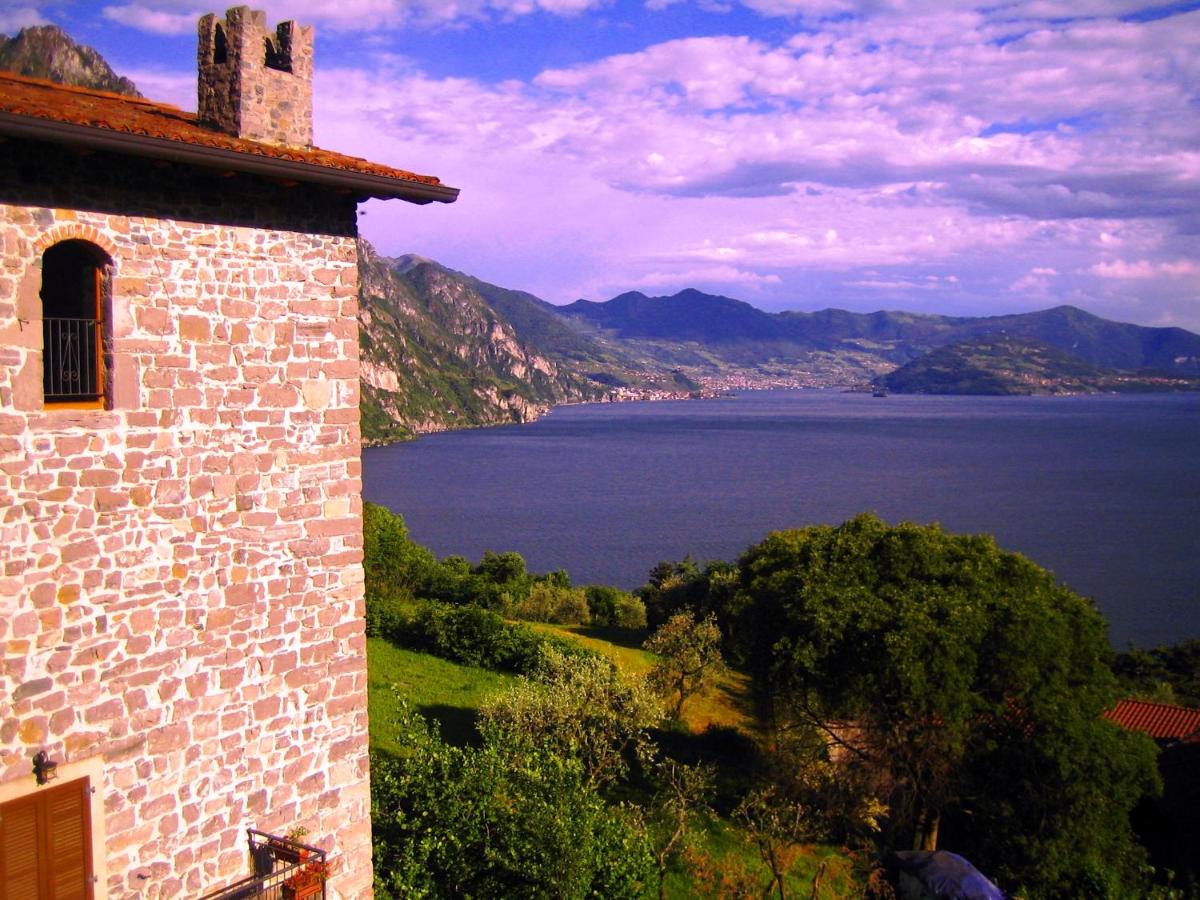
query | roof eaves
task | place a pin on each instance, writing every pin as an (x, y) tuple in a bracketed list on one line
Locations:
[(362, 183)]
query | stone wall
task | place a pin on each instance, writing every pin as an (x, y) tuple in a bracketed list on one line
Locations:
[(180, 573), (255, 83)]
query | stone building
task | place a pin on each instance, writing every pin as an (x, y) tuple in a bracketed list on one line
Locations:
[(180, 512)]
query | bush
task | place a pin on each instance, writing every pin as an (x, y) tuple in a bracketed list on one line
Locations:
[(611, 606), (631, 612), (393, 565), (579, 707), (470, 635), (490, 822), (550, 602), (385, 616)]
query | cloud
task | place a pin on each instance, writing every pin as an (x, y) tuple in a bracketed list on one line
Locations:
[(367, 16), (705, 275), (152, 20), (176, 88), (18, 17), (1143, 269), (797, 166)]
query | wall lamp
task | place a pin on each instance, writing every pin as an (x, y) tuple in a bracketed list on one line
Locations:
[(43, 768)]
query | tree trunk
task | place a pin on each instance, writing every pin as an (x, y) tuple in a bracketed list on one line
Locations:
[(926, 837)]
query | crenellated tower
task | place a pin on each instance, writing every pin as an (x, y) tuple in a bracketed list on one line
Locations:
[(253, 82)]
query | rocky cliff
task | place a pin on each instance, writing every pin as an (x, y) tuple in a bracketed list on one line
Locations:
[(436, 356), (46, 51)]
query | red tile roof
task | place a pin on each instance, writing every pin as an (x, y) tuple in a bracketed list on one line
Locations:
[(152, 129), (1159, 720)]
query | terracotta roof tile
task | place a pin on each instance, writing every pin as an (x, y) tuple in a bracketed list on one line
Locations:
[(1159, 720), (38, 99)]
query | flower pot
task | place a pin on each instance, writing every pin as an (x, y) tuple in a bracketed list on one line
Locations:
[(302, 892)]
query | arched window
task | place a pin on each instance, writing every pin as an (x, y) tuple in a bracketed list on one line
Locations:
[(74, 286)]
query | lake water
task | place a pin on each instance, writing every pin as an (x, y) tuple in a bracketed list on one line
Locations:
[(1104, 491)]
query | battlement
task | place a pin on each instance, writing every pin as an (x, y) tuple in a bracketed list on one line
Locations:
[(254, 82)]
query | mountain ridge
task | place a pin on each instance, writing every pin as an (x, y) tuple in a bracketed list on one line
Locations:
[(1002, 364), (46, 51), (883, 336)]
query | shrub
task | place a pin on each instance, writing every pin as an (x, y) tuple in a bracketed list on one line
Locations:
[(490, 822), (393, 565), (472, 636), (579, 707)]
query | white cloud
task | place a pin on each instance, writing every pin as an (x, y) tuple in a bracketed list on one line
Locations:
[(152, 20), (14, 19), (176, 88), (1143, 268), (905, 144), (368, 16), (704, 275)]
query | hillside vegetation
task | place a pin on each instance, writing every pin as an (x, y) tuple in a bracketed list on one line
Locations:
[(834, 694), (1000, 364)]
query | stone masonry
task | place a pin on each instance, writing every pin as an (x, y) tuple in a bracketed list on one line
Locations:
[(254, 83), (180, 572)]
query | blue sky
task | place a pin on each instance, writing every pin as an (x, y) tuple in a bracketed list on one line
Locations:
[(798, 154)]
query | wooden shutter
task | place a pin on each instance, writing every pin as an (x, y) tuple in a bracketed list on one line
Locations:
[(19, 856), (45, 845)]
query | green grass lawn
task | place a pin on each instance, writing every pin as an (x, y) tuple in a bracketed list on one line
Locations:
[(443, 691)]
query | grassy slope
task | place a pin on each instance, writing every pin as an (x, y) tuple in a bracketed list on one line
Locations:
[(438, 689), (451, 694)]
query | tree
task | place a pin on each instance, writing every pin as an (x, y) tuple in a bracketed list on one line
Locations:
[(777, 825), (1166, 674), (577, 707), (961, 676), (495, 821), (689, 656), (614, 607), (683, 794), (394, 566)]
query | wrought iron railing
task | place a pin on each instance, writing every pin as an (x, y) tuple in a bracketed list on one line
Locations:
[(71, 359), (284, 869)]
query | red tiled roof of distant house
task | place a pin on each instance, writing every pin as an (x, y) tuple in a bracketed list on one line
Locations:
[(34, 98), (1159, 720)]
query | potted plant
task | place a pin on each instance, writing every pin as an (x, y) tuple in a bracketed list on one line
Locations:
[(287, 851), (307, 881)]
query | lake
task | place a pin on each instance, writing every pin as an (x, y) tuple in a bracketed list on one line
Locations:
[(1102, 490)]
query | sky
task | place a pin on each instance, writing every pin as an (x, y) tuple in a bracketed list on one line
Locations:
[(928, 155)]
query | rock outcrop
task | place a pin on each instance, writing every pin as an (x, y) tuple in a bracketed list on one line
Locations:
[(46, 51)]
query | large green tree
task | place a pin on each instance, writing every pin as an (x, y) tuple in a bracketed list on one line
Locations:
[(965, 682)]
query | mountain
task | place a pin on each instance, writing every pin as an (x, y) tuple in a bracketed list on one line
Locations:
[(1007, 364), (707, 334), (435, 355), (46, 51)]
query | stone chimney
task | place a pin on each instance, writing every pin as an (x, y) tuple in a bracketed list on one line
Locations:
[(254, 83)]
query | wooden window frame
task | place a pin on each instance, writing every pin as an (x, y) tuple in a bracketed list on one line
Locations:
[(101, 289)]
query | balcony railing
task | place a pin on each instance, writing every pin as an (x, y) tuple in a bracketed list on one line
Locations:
[(283, 870), (71, 359)]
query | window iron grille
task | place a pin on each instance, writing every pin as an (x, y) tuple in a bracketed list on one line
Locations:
[(71, 359)]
